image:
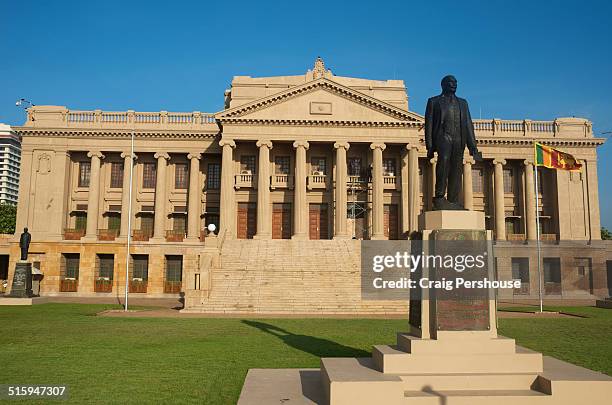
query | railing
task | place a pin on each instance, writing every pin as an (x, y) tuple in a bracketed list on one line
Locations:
[(552, 288), (245, 180), (354, 180), (548, 237), (107, 234), (317, 181), (141, 236), (69, 285), (42, 115), (172, 287), (390, 182), (516, 237), (73, 233), (280, 181), (175, 236), (138, 286), (522, 290), (103, 285)]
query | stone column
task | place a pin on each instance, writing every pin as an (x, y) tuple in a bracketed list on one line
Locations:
[(468, 192), (432, 182), (227, 207), (300, 201), (405, 193), (159, 226), (125, 193), (340, 220), (93, 203), (194, 199), (500, 212), (530, 203), (414, 195), (264, 207), (378, 200)]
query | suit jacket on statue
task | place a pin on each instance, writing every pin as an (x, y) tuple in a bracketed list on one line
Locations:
[(437, 112)]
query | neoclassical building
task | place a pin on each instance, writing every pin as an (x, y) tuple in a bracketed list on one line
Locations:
[(293, 172)]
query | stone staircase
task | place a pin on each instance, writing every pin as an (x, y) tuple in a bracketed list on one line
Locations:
[(290, 277)]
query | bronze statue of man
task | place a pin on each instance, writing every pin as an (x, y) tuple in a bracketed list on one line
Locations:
[(24, 243), (448, 130)]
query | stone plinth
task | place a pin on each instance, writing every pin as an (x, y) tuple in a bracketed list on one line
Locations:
[(22, 280)]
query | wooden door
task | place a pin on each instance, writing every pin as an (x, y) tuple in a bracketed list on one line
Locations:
[(281, 221), (318, 221), (247, 220), (391, 222)]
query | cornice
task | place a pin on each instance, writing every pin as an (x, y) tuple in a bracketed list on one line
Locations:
[(322, 123), (189, 134)]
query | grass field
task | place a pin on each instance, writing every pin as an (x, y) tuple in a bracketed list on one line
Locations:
[(201, 360)]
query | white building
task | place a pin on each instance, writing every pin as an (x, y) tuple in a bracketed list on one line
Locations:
[(10, 158)]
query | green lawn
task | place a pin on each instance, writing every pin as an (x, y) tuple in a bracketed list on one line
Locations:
[(140, 360)]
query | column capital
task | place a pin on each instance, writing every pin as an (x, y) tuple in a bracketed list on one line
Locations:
[(378, 145), (344, 145), (433, 160), (468, 160), (411, 146), (303, 144), (95, 153), (264, 142), (228, 142), (528, 162), (194, 155), (127, 155), (499, 161), (162, 155)]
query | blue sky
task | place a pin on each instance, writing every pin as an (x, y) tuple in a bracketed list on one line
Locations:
[(513, 60)]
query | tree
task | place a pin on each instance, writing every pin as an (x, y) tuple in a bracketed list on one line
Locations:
[(8, 216), (605, 234)]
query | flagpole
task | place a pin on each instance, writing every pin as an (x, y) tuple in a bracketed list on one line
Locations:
[(537, 201), (129, 235)]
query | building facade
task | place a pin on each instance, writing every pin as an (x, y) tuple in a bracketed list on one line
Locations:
[(294, 169), (10, 157)]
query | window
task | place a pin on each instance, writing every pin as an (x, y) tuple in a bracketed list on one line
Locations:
[(71, 266), (319, 165), (80, 220), (511, 226), (389, 167), (179, 223), (181, 175), (114, 221), (213, 179), (247, 164), (354, 166), (174, 268), (116, 180), (106, 265), (583, 268), (552, 275), (281, 165), (149, 175), (140, 267), (212, 217), (508, 180), (477, 180), (421, 177), (84, 174), (146, 224)]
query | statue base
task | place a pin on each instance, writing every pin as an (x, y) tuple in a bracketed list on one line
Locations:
[(22, 280)]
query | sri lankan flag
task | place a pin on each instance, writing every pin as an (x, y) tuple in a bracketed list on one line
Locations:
[(554, 159)]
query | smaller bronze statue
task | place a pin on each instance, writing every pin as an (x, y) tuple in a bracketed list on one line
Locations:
[(448, 130), (24, 243)]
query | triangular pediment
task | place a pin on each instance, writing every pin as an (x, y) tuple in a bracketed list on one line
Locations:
[(320, 100)]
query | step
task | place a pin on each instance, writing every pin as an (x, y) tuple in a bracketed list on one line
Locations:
[(477, 397), (390, 359), (461, 382), (417, 345)]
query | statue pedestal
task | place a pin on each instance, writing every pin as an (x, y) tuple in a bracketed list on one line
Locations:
[(452, 354), (22, 280)]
